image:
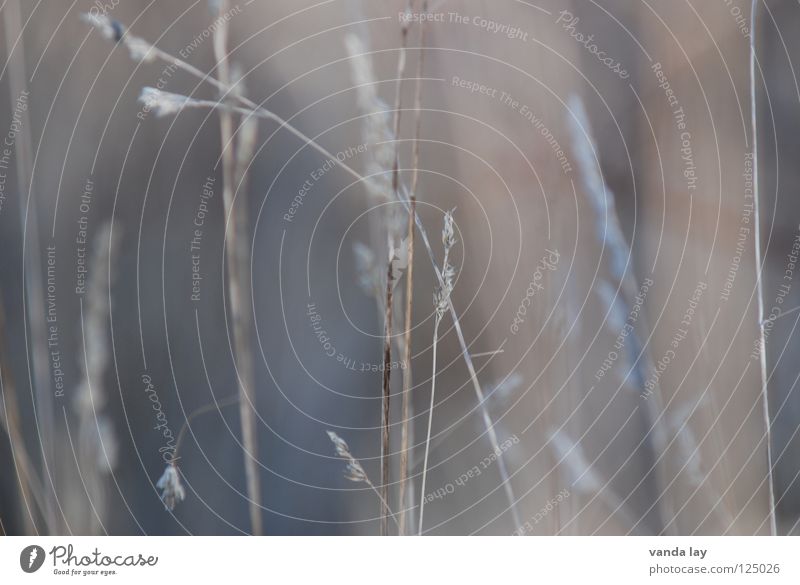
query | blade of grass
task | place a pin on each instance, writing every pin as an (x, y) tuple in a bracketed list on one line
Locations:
[(759, 266)]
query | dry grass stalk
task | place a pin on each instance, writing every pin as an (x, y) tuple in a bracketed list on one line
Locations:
[(383, 184), (502, 469), (205, 409), (406, 339), (170, 484), (246, 137), (441, 300), (405, 439), (378, 132), (386, 387), (355, 471), (405, 408), (238, 266), (497, 391), (759, 268)]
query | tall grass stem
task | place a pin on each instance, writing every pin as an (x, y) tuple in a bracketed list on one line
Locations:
[(760, 267)]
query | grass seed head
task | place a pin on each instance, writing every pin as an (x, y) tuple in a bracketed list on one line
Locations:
[(113, 30), (172, 491), (354, 471)]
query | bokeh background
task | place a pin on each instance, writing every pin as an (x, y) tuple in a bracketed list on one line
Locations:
[(691, 458)]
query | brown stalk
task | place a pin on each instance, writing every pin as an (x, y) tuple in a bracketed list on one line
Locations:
[(401, 66), (412, 217), (406, 398), (387, 369)]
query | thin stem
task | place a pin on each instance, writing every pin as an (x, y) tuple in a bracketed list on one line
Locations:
[(210, 407), (387, 511), (236, 255), (401, 497), (440, 298), (411, 234), (759, 266), (405, 415), (356, 471), (476, 385), (401, 69), (387, 369), (772, 319), (430, 425)]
